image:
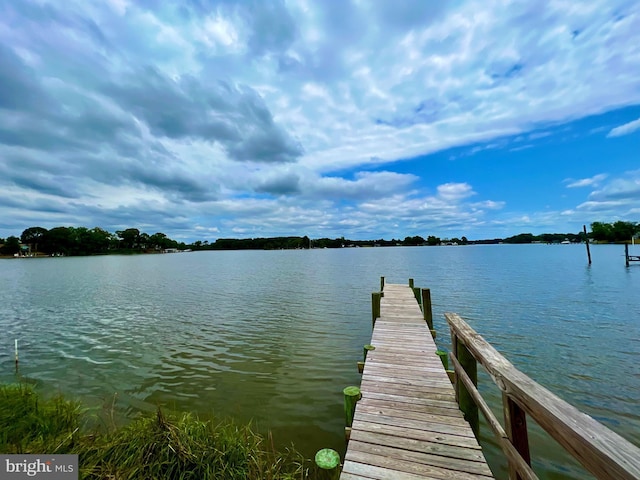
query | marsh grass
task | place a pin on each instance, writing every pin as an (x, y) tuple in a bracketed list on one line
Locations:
[(29, 424), (156, 446)]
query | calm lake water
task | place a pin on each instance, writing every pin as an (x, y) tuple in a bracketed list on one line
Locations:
[(273, 336)]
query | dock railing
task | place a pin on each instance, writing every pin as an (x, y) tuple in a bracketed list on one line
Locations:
[(601, 451)]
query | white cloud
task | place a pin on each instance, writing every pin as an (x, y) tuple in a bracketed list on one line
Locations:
[(618, 198), (585, 182), (625, 129), (455, 191)]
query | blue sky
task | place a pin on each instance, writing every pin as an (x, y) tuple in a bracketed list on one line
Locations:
[(364, 119)]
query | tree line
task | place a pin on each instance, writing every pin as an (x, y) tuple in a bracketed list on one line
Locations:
[(600, 232), (85, 241), (93, 241)]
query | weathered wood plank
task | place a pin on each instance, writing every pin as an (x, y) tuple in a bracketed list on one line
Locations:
[(443, 427), (417, 434), (401, 465), (424, 458), (429, 371), (408, 397), (435, 448), (443, 386), (411, 414), (395, 389), (362, 470), (450, 410)]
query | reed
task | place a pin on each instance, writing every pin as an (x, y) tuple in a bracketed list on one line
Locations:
[(29, 424), (153, 446)]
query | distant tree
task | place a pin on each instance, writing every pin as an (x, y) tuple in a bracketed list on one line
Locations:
[(58, 240), (129, 238), (464, 240), (623, 231), (602, 232), (432, 241), (306, 242), (97, 240), (616, 232), (159, 241), (32, 236), (144, 240), (413, 241), (11, 246), (521, 238)]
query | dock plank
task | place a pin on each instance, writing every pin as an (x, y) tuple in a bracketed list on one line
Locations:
[(408, 425)]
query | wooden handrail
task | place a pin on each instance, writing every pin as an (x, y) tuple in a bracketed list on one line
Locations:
[(601, 451), (521, 466)]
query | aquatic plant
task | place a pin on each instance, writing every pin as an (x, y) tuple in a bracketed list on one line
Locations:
[(153, 446)]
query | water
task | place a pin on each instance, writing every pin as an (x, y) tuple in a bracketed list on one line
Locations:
[(273, 336)]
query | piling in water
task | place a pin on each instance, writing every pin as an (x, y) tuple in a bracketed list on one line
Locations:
[(351, 397), (626, 259), (444, 358), (328, 461), (586, 240), (375, 306)]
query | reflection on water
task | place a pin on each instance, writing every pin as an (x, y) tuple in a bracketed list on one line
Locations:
[(273, 336)]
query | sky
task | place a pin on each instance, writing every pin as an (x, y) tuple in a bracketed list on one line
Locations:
[(365, 119)]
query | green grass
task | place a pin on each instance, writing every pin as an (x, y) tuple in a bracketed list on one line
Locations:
[(29, 425), (156, 446)]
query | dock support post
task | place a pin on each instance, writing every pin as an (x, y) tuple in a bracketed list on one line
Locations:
[(375, 306), (444, 358), (515, 423), (327, 460), (465, 400), (351, 397), (381, 284), (586, 239), (16, 345), (366, 349), (626, 254), (427, 311), (415, 290)]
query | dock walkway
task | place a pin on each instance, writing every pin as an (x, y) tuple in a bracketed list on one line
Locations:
[(407, 424)]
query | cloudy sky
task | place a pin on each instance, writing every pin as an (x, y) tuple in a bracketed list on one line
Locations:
[(365, 118)]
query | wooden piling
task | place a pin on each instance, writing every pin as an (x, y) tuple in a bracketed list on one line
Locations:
[(16, 345), (465, 400), (586, 240), (411, 283), (375, 306), (444, 358), (427, 311), (351, 397), (327, 460), (367, 348), (381, 284), (417, 295), (515, 425), (626, 254)]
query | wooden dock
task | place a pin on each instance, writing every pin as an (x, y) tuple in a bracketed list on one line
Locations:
[(407, 424)]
